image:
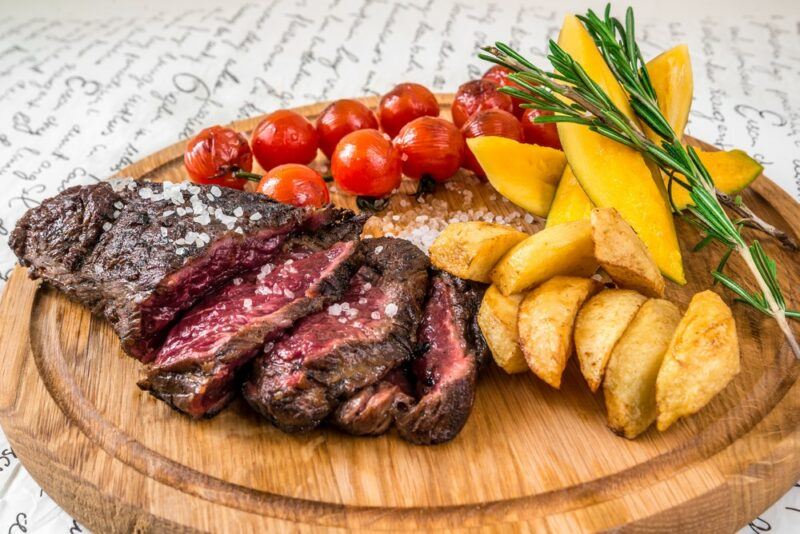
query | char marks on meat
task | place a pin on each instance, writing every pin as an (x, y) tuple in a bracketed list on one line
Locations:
[(140, 253), (327, 357), (452, 350)]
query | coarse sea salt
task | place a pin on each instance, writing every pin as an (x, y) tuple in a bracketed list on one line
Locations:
[(216, 191), (248, 304), (390, 310), (255, 217), (375, 315), (107, 226), (335, 310)]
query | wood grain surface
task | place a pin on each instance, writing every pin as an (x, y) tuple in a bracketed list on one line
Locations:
[(530, 458)]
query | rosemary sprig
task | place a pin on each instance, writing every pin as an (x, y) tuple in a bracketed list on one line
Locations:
[(572, 96)]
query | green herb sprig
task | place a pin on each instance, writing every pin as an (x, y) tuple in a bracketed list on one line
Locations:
[(572, 96)]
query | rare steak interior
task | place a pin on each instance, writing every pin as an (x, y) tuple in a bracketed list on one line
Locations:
[(330, 355), (221, 291)]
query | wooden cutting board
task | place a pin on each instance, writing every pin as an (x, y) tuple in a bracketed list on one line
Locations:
[(530, 457)]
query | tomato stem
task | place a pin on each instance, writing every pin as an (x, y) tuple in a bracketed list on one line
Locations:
[(253, 177)]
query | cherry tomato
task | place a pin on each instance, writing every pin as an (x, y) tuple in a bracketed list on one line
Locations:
[(339, 119), (499, 75), (489, 122), (475, 96), (284, 137), (405, 103), (366, 163), (430, 146), (540, 134), (295, 184), (214, 154)]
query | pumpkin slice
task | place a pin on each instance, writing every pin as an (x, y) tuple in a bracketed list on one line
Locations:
[(570, 203), (671, 76), (613, 175), (731, 171), (525, 174)]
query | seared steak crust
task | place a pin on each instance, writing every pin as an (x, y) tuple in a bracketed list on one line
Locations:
[(451, 351), (139, 253), (330, 355), (371, 411)]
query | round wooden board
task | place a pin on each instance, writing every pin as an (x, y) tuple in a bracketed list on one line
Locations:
[(530, 457)]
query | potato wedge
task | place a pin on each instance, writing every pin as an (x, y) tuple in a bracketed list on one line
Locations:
[(630, 381), (624, 256), (564, 249), (497, 319), (702, 358), (598, 327), (546, 319), (471, 249)]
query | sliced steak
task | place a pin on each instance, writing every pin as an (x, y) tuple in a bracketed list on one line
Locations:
[(371, 411), (330, 355), (452, 349), (139, 253), (195, 369)]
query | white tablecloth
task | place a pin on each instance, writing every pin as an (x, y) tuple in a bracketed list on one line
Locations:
[(83, 95)]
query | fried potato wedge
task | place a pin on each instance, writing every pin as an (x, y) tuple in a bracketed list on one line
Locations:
[(702, 358), (546, 320), (598, 327), (471, 249), (497, 319), (630, 380), (564, 249), (624, 256)]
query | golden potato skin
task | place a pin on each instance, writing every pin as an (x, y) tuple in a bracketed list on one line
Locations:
[(598, 327), (630, 380), (497, 319), (564, 249), (546, 321), (702, 358), (470, 250), (623, 255)]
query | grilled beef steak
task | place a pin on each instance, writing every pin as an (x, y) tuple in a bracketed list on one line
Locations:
[(330, 355), (371, 411), (139, 253), (452, 350), (195, 370)]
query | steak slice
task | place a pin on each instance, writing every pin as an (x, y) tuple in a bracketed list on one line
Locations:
[(139, 253), (452, 350), (195, 370), (332, 354), (371, 411)]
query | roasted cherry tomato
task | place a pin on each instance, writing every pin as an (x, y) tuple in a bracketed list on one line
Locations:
[(540, 134), (366, 163), (405, 103), (489, 122), (499, 75), (475, 96), (284, 137), (214, 154), (292, 183), (430, 146), (339, 119)]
